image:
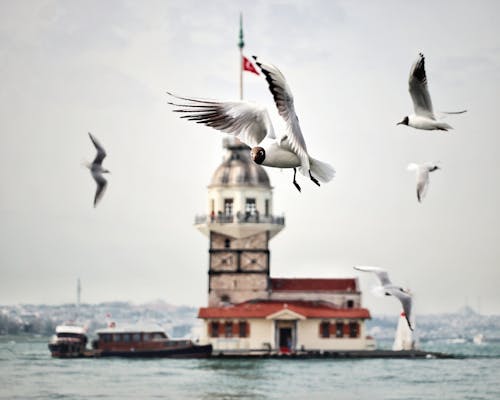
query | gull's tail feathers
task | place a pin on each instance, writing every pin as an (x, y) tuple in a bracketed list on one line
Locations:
[(322, 171)]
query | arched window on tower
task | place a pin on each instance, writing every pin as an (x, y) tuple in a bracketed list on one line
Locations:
[(228, 207), (227, 243)]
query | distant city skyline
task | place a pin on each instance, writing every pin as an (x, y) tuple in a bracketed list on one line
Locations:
[(69, 68)]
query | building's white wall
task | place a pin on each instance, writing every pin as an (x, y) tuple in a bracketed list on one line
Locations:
[(308, 336), (262, 335), (239, 196)]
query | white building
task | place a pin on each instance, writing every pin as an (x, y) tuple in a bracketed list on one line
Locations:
[(248, 311)]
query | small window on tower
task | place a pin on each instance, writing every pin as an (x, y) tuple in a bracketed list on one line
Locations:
[(227, 243), (267, 207), (250, 207), (350, 303), (228, 207)]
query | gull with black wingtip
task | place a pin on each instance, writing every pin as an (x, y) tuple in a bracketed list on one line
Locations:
[(422, 172), (97, 170), (424, 116), (251, 124), (389, 289)]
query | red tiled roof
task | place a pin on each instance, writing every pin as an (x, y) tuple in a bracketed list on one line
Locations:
[(262, 309), (305, 284)]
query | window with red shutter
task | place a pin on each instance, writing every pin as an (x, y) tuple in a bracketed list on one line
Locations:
[(353, 329), (339, 331), (242, 329), (346, 330), (213, 328), (324, 329), (228, 329)]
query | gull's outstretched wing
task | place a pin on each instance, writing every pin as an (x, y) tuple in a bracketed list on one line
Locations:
[(443, 114), (405, 300), (283, 99), (419, 92), (380, 272), (101, 187), (247, 121), (101, 153), (422, 182)]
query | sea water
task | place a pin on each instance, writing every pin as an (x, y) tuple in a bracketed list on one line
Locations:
[(27, 371)]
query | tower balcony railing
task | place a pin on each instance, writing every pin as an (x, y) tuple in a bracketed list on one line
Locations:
[(240, 218)]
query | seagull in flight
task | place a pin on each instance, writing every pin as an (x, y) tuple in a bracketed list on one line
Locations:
[(424, 117), (97, 170), (422, 174), (391, 290), (251, 124)]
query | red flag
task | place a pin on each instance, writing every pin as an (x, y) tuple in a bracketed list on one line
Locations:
[(248, 66)]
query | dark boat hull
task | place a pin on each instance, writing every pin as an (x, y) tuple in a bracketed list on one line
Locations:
[(187, 352), (67, 350)]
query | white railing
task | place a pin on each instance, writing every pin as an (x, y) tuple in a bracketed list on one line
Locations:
[(239, 218)]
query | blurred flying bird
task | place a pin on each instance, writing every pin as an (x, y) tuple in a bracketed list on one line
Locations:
[(424, 117), (251, 124), (97, 170), (391, 290), (422, 174)]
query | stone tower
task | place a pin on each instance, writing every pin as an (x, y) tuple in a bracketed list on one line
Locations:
[(239, 224)]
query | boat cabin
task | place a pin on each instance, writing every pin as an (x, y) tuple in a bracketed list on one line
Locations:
[(130, 339), (69, 341), (144, 342)]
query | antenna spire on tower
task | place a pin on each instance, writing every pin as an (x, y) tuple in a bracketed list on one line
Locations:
[(241, 44)]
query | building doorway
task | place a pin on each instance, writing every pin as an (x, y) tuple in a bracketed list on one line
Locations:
[(286, 335), (285, 340)]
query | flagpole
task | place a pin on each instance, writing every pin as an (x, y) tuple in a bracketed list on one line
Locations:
[(241, 44)]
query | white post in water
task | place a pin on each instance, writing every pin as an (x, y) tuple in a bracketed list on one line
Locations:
[(403, 340)]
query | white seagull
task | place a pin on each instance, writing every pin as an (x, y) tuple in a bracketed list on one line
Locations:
[(391, 290), (422, 174), (97, 170), (424, 117), (251, 124)]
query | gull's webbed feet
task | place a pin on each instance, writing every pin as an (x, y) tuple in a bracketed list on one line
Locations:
[(313, 178), (294, 181)]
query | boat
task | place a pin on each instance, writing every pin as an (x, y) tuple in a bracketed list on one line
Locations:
[(478, 339), (70, 341), (145, 342)]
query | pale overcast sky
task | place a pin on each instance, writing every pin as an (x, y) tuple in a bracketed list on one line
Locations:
[(70, 67)]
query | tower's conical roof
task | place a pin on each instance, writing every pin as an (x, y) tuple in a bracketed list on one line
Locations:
[(238, 169)]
